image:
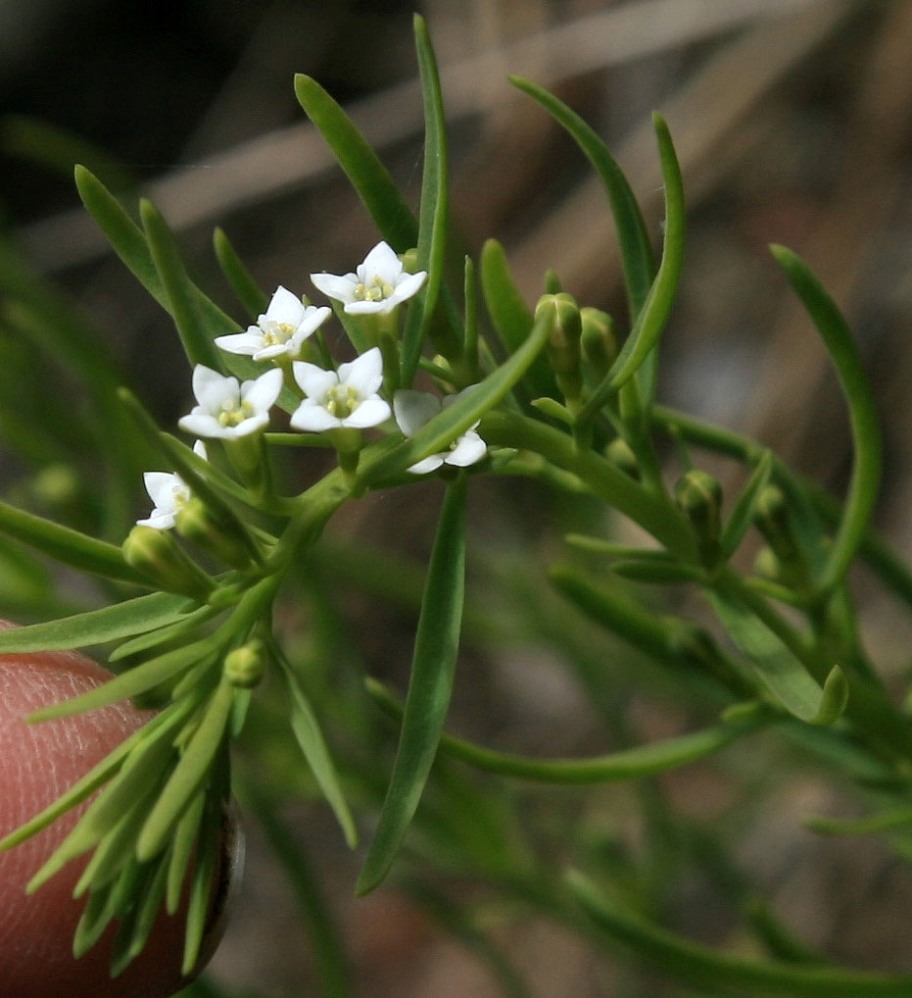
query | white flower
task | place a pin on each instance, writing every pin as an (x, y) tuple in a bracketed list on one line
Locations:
[(227, 409), (378, 285), (282, 328), (414, 409), (169, 494), (347, 398)]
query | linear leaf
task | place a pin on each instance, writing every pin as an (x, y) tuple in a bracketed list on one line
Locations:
[(306, 730), (684, 961), (866, 437), (65, 545), (778, 667), (130, 684), (111, 623), (190, 774), (248, 292), (629, 764), (367, 174), (653, 316), (435, 205), (636, 252), (430, 687), (742, 513), (194, 331)]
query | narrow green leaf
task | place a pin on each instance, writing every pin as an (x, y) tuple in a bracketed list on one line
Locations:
[(163, 636), (134, 616), (512, 318), (652, 318), (190, 774), (182, 851), (653, 572), (435, 205), (778, 667), (636, 252), (203, 880), (898, 819), (430, 686), (682, 961), (130, 684), (742, 514), (306, 730), (242, 282), (125, 236), (443, 428), (195, 335), (134, 931), (629, 764), (65, 545), (866, 437), (367, 174)]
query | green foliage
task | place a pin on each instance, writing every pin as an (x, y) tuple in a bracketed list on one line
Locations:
[(251, 590)]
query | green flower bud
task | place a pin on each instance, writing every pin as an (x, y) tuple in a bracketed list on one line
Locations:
[(157, 555), (620, 453), (196, 523), (774, 520), (244, 667), (599, 340), (699, 497), (564, 345)]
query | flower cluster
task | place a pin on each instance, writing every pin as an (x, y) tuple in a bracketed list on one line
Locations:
[(333, 401)]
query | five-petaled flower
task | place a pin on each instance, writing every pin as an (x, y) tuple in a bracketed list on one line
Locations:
[(169, 494), (377, 286), (228, 409), (280, 331), (414, 409), (347, 398)]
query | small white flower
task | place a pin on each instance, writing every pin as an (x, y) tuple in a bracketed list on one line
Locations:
[(169, 494), (377, 286), (227, 409), (347, 398), (414, 409), (280, 330)]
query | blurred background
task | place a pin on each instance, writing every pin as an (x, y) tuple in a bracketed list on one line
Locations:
[(792, 121)]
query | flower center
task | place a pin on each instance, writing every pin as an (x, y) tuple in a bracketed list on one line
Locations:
[(277, 333), (234, 412), (375, 290), (341, 401)]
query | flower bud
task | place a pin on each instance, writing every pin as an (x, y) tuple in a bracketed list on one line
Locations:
[(564, 345), (156, 555), (620, 453), (699, 497), (197, 524), (244, 666), (599, 340)]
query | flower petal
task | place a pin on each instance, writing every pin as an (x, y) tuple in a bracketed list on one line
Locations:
[(163, 488), (429, 464), (413, 409), (313, 380), (262, 392), (381, 262), (284, 307), (201, 424), (371, 412), (340, 288), (212, 389), (364, 374), (469, 449), (313, 418), (410, 284), (241, 343)]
